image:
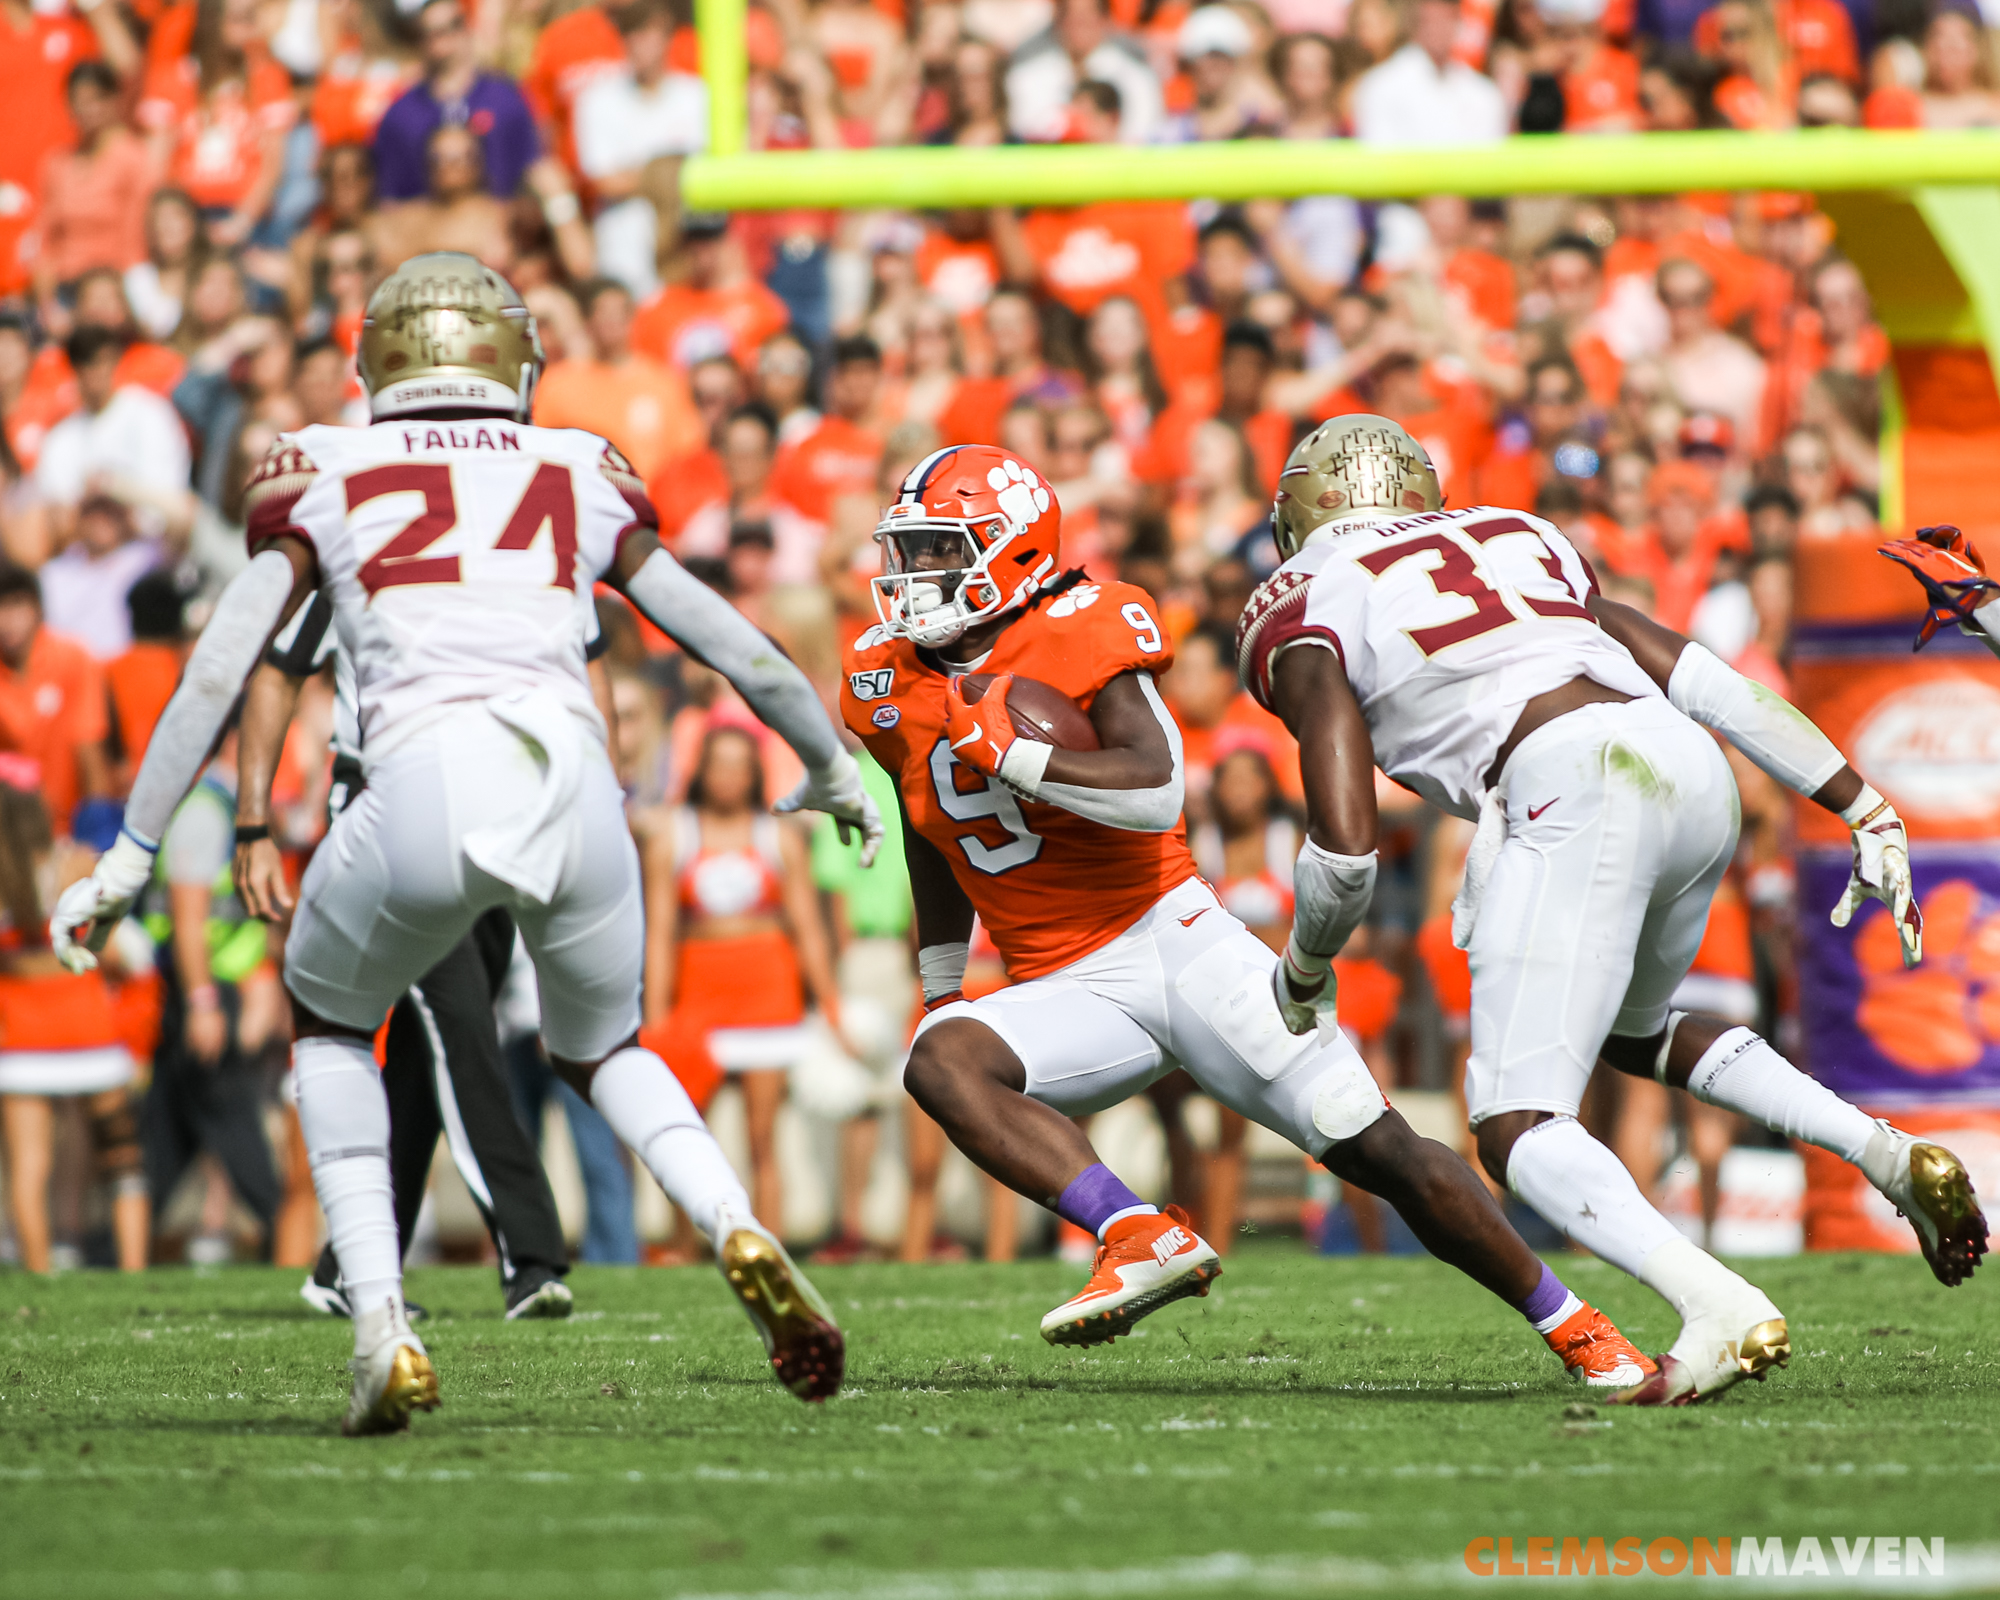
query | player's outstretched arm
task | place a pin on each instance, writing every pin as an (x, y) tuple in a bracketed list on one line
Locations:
[(247, 614), (1133, 781), (709, 628), (1782, 740), (1333, 880)]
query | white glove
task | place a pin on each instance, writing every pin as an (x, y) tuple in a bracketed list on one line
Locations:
[(1881, 871), (837, 790), (1305, 988), (100, 900)]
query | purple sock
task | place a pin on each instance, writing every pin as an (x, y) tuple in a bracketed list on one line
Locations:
[(1545, 1299), (1096, 1197)]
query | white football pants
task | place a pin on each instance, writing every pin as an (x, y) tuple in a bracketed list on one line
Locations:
[(391, 890), (1621, 820), (1188, 986)]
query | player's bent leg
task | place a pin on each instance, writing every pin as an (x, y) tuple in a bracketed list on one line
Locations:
[(1730, 1330), (1003, 1075), (1458, 1221), (638, 1095), (1723, 1064), (344, 1117)]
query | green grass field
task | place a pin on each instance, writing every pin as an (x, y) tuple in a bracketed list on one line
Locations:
[(1316, 1425)]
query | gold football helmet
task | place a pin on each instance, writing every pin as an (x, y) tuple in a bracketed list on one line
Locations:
[(444, 332), (1358, 468)]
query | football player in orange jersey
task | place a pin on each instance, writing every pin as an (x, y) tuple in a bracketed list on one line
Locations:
[(1124, 963)]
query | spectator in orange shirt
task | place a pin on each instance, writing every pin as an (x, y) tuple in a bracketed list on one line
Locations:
[(687, 483), (1579, 82), (748, 452), (1958, 89), (639, 404), (52, 700), (1020, 373), (1522, 460), (570, 51), (1209, 702), (218, 118), (715, 308), (1760, 81), (93, 198), (841, 453), (1678, 556), (1817, 35), (37, 52)]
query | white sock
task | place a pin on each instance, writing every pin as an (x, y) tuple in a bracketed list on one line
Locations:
[(1740, 1072), (344, 1117), (646, 1106), (1562, 1313), (1583, 1189)]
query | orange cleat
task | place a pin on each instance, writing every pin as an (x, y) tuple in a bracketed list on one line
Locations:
[(1596, 1354), (1144, 1263)]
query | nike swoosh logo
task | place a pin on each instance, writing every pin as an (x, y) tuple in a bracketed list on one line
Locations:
[(1536, 811), (1189, 922)]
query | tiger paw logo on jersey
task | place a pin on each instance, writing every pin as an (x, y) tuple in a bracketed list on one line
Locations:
[(1081, 598), (1943, 1016), (1022, 496)]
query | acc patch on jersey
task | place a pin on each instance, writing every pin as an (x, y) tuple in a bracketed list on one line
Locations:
[(886, 716), (877, 684)]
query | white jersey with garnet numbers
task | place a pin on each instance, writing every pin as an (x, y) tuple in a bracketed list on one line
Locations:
[(460, 556), (1446, 624)]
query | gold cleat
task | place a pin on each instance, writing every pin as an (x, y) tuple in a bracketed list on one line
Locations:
[(796, 1325), (1931, 1189), (408, 1383), (1765, 1346)]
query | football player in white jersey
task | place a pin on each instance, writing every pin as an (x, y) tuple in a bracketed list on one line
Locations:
[(459, 546), (1470, 656)]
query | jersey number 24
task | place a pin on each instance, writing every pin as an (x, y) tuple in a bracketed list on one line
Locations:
[(550, 498)]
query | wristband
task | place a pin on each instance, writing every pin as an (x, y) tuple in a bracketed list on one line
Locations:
[(941, 968), (252, 834), (150, 846), (561, 210), (203, 998), (943, 1000), (1025, 765), (1866, 807)]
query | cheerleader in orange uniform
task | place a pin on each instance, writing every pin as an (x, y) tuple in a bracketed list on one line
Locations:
[(734, 942), (65, 1035)]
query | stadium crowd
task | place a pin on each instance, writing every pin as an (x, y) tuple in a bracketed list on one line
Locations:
[(197, 196)]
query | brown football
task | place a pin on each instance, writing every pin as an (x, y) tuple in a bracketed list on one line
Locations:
[(1039, 712)]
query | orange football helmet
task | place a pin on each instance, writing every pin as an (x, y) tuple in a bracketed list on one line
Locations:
[(973, 533)]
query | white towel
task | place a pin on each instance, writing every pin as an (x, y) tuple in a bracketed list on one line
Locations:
[(1479, 861), (526, 852)]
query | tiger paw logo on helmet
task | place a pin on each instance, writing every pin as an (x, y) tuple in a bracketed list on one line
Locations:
[(1022, 496), (1943, 1016)]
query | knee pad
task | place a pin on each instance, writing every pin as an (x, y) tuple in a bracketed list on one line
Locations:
[(1348, 1101), (114, 1135)]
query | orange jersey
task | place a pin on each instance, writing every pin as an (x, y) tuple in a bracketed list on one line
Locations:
[(1049, 886)]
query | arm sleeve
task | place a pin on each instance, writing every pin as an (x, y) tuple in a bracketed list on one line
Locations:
[(229, 647), (709, 628), (1774, 734)]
